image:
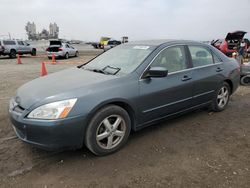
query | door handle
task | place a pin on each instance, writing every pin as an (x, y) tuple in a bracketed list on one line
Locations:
[(186, 78), (219, 69)]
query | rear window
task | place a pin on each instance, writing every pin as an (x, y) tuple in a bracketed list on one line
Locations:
[(9, 42), (55, 42)]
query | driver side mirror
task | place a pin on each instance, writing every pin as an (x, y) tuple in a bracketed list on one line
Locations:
[(156, 72)]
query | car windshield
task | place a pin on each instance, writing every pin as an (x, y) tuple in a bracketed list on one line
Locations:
[(122, 59)]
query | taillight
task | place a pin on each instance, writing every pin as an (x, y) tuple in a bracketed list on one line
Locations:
[(60, 49)]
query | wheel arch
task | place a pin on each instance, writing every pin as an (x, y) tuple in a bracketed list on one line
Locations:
[(230, 83), (13, 49), (121, 103)]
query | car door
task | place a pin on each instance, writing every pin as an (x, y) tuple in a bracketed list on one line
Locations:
[(206, 73), (72, 50), (69, 50), (27, 47), (161, 97), (20, 47)]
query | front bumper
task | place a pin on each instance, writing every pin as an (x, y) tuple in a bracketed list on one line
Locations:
[(49, 134)]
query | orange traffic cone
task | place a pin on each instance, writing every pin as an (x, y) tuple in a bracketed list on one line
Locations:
[(18, 59), (43, 69), (53, 59)]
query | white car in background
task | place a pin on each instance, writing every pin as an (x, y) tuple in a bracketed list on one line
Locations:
[(60, 49)]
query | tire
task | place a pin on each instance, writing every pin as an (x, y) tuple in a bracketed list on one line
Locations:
[(112, 125), (221, 98), (67, 55), (33, 52), (12, 54), (245, 80), (77, 54)]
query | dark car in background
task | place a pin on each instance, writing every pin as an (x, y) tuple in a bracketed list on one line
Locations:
[(230, 44), (129, 87), (111, 44)]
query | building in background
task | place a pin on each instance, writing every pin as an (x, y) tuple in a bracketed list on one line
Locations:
[(53, 32), (31, 30)]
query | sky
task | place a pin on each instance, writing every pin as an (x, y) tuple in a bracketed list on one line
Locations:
[(88, 20)]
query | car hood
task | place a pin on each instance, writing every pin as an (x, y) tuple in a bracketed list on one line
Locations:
[(237, 35), (59, 84)]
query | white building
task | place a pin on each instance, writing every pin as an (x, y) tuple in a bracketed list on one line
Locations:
[(53, 30), (31, 28)]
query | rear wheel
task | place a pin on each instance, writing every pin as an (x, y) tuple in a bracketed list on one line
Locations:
[(221, 98), (77, 54), (33, 52), (245, 80), (67, 55), (108, 130), (12, 54)]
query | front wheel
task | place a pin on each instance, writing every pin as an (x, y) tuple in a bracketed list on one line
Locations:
[(108, 130), (221, 98)]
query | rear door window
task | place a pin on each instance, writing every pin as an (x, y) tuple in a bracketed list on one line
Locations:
[(9, 42), (173, 59), (200, 56)]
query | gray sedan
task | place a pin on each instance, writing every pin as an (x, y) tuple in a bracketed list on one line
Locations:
[(126, 88), (60, 49)]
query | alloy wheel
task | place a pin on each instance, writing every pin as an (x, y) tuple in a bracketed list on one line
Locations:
[(223, 97), (110, 132)]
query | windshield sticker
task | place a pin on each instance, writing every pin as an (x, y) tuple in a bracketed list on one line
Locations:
[(141, 47)]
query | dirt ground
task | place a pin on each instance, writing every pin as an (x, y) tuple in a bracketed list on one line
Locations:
[(199, 149)]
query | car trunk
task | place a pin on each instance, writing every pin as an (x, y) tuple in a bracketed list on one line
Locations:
[(233, 39), (54, 46)]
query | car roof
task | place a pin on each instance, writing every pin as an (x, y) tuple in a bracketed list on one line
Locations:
[(160, 42)]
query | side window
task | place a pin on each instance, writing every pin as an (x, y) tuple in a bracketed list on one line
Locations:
[(9, 42), (200, 56), (216, 59), (173, 59), (20, 43)]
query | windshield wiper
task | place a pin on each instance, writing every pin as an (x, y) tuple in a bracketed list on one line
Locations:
[(97, 70), (114, 68)]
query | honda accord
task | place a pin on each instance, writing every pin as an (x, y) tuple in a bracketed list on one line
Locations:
[(129, 87)]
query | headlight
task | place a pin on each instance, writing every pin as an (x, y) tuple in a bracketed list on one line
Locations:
[(55, 110)]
